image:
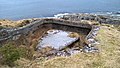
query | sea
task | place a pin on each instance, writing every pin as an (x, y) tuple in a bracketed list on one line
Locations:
[(24, 9)]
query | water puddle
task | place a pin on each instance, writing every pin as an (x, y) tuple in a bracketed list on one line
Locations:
[(56, 39)]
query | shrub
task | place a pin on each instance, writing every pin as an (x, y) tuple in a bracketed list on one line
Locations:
[(26, 52), (1, 27), (9, 53)]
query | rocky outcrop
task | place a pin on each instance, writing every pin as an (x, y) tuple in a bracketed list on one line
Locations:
[(86, 16)]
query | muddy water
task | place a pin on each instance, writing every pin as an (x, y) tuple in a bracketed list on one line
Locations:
[(56, 39)]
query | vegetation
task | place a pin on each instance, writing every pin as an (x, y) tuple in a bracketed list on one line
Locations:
[(108, 57), (1, 27), (23, 23), (73, 35), (118, 27), (10, 23), (9, 53)]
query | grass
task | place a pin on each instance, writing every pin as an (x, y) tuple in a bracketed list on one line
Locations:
[(10, 23), (108, 57)]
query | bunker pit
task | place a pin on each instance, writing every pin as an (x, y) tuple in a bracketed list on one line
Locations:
[(59, 40), (35, 34)]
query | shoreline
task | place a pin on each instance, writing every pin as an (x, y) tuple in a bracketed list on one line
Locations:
[(111, 13), (80, 17)]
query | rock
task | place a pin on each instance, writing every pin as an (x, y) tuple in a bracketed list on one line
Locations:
[(72, 51), (16, 37), (61, 53), (91, 40), (51, 53), (90, 49)]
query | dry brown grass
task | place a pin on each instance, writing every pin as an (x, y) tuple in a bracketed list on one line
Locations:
[(91, 22), (73, 35), (108, 57), (10, 23)]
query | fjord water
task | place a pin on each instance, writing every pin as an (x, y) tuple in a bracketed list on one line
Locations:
[(22, 9)]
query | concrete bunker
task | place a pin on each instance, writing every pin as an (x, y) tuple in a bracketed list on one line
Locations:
[(65, 49), (31, 34)]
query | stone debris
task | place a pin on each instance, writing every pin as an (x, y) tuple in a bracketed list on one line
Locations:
[(72, 51), (62, 53), (90, 49), (92, 42)]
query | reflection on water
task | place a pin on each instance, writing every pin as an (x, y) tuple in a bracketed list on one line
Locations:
[(57, 39)]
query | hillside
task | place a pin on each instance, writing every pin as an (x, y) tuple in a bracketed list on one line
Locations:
[(108, 57)]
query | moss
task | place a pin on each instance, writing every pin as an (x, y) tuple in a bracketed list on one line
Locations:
[(10, 53), (1, 27)]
